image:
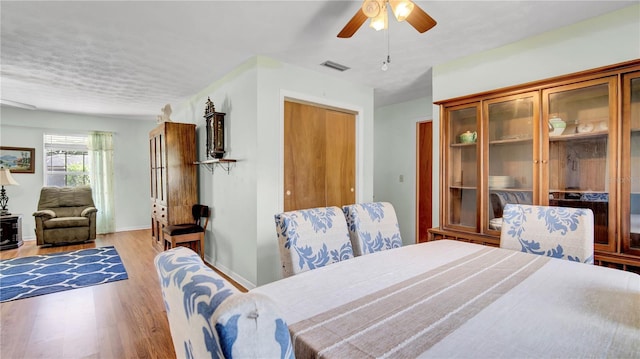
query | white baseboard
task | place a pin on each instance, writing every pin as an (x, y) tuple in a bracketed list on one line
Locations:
[(239, 279), (134, 228)]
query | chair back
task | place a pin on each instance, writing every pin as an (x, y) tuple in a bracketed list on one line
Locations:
[(499, 199), (312, 238), (210, 318), (373, 227), (65, 201), (199, 211), (560, 232), (191, 293)]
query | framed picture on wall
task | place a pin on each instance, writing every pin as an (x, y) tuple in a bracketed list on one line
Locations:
[(18, 159)]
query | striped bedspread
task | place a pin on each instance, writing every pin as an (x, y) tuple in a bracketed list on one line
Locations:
[(457, 299)]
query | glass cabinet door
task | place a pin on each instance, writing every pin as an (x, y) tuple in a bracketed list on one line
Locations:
[(579, 161), (461, 181), (509, 125), (630, 176)]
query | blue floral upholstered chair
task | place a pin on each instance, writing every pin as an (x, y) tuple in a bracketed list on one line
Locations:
[(559, 232), (210, 318), (312, 238), (373, 227)]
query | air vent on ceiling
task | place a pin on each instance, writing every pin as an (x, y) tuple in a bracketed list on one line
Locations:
[(335, 66)]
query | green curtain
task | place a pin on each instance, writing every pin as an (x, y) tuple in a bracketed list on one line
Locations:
[(100, 146)]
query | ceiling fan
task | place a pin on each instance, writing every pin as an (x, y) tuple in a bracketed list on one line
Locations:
[(376, 10)]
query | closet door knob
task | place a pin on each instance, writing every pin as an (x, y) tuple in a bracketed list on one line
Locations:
[(288, 193)]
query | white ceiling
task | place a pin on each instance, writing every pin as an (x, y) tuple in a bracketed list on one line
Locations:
[(129, 58)]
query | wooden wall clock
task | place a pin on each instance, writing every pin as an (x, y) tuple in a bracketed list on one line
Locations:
[(215, 131)]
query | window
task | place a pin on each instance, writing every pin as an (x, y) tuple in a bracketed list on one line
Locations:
[(66, 160)]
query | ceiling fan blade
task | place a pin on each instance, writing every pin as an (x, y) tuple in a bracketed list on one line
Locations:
[(420, 20), (353, 25)]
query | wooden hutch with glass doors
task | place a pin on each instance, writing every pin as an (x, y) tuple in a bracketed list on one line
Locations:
[(571, 141), (174, 181)]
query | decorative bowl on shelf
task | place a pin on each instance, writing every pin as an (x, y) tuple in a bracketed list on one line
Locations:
[(558, 125), (469, 137), (603, 125), (585, 127)]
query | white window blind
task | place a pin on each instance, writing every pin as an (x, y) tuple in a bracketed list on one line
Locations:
[(77, 142), (66, 160)]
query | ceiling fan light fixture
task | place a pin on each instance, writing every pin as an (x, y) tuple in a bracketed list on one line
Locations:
[(380, 22), (401, 8), (372, 8), (376, 11)]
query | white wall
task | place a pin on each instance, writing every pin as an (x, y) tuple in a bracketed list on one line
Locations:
[(24, 128), (604, 40), (395, 156), (231, 237), (242, 239), (275, 81)]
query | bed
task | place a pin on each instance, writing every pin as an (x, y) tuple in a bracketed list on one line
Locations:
[(455, 299)]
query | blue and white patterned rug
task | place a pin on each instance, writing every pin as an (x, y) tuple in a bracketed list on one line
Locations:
[(37, 275)]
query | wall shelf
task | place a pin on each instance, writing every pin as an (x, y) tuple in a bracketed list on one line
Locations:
[(223, 163)]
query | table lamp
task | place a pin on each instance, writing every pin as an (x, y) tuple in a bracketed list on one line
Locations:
[(5, 180)]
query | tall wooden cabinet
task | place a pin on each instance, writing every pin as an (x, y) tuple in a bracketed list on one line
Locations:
[(522, 155), (174, 182)]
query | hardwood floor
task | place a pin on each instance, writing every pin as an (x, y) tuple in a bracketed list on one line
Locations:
[(124, 319)]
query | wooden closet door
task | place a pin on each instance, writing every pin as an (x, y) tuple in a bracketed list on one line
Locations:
[(304, 156), (319, 157), (341, 158), (424, 182)]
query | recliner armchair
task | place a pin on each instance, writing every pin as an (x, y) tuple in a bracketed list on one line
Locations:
[(65, 215)]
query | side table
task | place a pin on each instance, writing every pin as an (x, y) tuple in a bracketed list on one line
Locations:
[(11, 231)]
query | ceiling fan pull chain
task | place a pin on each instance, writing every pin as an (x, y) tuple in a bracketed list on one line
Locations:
[(385, 64), (388, 45)]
